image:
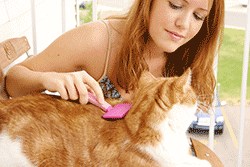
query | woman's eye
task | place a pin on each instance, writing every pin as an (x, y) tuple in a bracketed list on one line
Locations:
[(174, 5), (198, 17)]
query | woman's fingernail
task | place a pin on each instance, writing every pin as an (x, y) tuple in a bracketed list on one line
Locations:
[(83, 102), (65, 98)]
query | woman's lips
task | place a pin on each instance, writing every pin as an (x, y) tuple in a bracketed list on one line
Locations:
[(175, 36)]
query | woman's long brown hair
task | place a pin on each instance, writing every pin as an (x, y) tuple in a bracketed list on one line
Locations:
[(199, 53)]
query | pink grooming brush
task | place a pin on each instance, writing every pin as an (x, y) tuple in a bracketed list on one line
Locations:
[(118, 111)]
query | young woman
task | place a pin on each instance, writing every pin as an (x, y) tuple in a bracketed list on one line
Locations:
[(164, 37)]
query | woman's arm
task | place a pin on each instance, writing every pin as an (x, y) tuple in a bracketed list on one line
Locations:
[(53, 69)]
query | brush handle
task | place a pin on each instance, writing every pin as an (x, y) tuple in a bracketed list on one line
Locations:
[(93, 99)]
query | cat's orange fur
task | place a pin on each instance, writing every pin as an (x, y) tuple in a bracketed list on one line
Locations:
[(55, 132)]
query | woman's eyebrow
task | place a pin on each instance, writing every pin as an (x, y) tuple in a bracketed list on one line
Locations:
[(199, 8)]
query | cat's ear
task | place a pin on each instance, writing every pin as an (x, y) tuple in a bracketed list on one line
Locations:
[(185, 79), (146, 77)]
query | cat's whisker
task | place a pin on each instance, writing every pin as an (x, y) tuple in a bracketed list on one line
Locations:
[(202, 104)]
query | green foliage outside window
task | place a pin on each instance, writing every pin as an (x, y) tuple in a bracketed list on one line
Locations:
[(86, 15)]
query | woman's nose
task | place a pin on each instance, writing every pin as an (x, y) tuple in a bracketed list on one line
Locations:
[(183, 21)]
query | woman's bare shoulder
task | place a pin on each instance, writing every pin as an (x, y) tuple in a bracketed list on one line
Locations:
[(84, 46), (118, 24)]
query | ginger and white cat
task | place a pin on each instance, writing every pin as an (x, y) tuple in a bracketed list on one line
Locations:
[(42, 130)]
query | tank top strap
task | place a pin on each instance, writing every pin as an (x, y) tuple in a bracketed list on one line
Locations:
[(108, 51), (109, 91)]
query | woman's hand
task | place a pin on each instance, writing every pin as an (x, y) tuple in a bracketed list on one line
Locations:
[(72, 85)]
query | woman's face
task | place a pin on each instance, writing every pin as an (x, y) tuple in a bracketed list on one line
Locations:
[(175, 22)]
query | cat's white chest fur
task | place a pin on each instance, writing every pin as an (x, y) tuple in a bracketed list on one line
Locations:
[(173, 151), (11, 153)]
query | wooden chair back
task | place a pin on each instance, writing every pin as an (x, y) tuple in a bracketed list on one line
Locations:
[(204, 152), (10, 50)]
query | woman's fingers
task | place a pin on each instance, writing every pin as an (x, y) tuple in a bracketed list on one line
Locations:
[(82, 91), (94, 85), (62, 91), (73, 85), (53, 82), (70, 86)]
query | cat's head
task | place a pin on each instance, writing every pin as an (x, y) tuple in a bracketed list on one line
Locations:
[(155, 97), (165, 91)]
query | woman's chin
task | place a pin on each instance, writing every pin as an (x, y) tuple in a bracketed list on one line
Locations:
[(170, 47), (170, 50)]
